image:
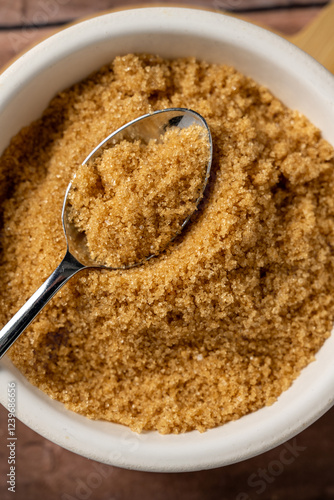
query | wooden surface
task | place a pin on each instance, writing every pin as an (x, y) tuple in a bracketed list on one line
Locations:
[(26, 16), (46, 471)]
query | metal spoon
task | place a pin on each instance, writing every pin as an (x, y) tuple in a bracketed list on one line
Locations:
[(77, 258)]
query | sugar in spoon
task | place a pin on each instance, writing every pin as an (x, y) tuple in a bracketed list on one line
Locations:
[(77, 256)]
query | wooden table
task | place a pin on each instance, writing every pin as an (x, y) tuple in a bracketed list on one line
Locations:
[(301, 469)]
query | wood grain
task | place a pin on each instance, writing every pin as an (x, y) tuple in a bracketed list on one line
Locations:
[(31, 13), (13, 43), (301, 469), (43, 11), (11, 11), (318, 38), (32, 10), (282, 21), (15, 12)]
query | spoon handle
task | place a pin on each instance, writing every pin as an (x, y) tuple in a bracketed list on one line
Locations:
[(19, 322)]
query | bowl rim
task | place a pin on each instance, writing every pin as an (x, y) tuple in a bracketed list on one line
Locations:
[(191, 451)]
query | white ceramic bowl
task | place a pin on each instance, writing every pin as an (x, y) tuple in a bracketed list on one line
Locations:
[(300, 82)]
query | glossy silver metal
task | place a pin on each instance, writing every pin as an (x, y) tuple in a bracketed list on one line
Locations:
[(146, 127)]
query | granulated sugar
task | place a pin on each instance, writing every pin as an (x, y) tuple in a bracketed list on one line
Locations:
[(223, 321), (131, 201)]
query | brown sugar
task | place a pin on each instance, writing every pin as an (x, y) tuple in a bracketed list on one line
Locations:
[(131, 201), (224, 320)]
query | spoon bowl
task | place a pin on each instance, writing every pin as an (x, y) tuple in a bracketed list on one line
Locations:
[(77, 257), (145, 128)]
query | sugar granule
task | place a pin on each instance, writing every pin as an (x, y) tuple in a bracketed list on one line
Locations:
[(224, 321)]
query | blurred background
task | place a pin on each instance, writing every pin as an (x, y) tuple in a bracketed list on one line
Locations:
[(43, 469)]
